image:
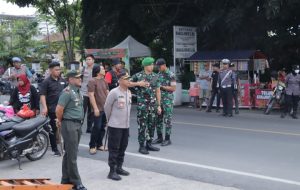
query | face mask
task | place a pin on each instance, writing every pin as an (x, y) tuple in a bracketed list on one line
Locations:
[(297, 71)]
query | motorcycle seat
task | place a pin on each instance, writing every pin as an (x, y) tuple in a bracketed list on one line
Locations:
[(6, 126), (24, 128), (17, 119)]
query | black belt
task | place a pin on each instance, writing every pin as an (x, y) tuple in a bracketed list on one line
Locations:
[(74, 120)]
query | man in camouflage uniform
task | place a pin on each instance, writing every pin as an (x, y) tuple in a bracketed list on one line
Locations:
[(168, 86), (148, 105)]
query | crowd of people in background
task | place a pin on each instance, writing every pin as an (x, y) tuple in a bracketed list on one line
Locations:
[(103, 97), (223, 85)]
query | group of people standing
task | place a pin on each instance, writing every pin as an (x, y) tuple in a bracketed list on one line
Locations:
[(221, 84), (106, 98)]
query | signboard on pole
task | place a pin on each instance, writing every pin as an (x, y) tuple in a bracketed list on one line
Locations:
[(185, 41)]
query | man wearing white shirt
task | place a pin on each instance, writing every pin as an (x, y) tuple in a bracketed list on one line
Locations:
[(204, 83)]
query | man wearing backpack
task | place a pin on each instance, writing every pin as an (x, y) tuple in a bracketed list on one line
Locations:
[(111, 76)]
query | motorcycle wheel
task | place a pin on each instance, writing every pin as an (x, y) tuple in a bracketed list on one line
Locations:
[(41, 144), (269, 107)]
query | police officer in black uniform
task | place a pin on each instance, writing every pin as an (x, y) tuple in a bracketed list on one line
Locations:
[(215, 91), (225, 83)]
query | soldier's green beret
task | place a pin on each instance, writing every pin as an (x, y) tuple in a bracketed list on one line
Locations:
[(147, 61)]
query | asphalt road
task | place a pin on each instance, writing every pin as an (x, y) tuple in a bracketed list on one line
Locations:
[(249, 151)]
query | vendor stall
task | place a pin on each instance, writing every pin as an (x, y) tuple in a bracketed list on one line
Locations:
[(109, 54), (252, 67)]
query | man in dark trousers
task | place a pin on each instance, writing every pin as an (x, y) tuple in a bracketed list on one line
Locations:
[(225, 83), (111, 76), (98, 90), (292, 92), (50, 90), (86, 77), (215, 90), (69, 113), (235, 87), (117, 109)]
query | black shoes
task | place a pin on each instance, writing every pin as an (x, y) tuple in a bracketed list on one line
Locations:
[(157, 141), (121, 171), (79, 187), (113, 174), (227, 115), (150, 147), (56, 153), (208, 111), (166, 143), (143, 150), (88, 131), (294, 116)]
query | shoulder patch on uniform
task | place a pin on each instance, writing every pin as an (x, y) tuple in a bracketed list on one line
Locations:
[(67, 89)]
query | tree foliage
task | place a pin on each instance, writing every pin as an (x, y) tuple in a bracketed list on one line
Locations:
[(16, 38), (221, 24), (66, 15)]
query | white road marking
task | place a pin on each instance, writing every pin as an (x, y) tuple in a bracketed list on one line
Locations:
[(234, 128), (238, 128), (241, 173)]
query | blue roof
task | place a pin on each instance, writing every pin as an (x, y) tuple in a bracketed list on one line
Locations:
[(219, 55)]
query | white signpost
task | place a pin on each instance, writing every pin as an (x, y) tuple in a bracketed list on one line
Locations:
[(185, 42), (185, 45)]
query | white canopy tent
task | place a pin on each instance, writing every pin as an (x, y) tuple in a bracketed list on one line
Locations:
[(134, 48)]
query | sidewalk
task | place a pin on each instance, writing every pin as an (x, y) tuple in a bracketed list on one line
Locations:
[(94, 173)]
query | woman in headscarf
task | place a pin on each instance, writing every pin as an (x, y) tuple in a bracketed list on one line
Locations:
[(24, 93)]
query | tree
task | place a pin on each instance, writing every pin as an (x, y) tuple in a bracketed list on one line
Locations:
[(17, 38), (66, 15), (221, 25)]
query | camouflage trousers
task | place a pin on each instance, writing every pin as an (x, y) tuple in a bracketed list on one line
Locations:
[(165, 118), (146, 124)]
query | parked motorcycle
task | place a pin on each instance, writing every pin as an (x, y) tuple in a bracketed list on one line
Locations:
[(27, 138), (277, 97), (5, 87)]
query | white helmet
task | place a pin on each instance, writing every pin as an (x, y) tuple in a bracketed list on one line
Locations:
[(225, 61)]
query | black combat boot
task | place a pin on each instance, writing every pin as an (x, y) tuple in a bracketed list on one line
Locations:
[(143, 149), (294, 116), (150, 147), (113, 174), (121, 171), (158, 140), (167, 141)]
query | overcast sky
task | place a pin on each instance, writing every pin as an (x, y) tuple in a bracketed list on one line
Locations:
[(10, 9)]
